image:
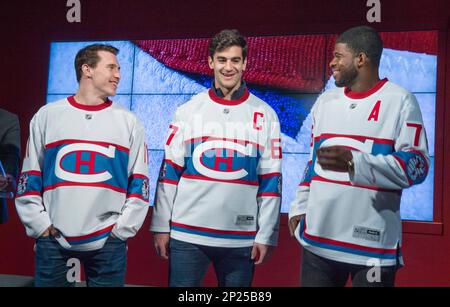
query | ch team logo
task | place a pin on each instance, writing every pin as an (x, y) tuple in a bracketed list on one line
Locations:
[(208, 160), (71, 158), (365, 146), (416, 167), (22, 185)]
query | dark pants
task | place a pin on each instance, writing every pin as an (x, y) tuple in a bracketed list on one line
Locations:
[(3, 211), (189, 262), (317, 271), (103, 268)]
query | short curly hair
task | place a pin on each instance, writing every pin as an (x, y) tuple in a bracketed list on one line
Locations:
[(363, 39), (225, 39)]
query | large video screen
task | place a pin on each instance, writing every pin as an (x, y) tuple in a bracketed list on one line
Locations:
[(288, 72)]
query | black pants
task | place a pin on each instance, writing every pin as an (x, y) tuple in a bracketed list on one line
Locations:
[(317, 271)]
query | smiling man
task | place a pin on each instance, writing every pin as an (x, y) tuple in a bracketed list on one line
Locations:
[(83, 190), (368, 144), (218, 195)]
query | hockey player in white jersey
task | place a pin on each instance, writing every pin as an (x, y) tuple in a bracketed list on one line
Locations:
[(218, 195), (83, 190), (368, 143)]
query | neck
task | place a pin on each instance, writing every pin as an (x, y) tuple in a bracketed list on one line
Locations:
[(365, 82), (228, 93), (89, 97)]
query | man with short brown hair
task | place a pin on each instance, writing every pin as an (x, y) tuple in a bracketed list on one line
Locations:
[(219, 191), (84, 185)]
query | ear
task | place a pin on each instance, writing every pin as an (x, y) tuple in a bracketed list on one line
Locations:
[(87, 71), (361, 59), (245, 64), (211, 62)]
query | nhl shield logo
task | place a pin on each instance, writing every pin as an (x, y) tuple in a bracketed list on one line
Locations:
[(22, 185)]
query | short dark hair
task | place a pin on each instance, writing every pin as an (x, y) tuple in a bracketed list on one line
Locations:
[(89, 55), (363, 39), (225, 39)]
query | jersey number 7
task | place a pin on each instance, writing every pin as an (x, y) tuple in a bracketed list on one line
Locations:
[(418, 128)]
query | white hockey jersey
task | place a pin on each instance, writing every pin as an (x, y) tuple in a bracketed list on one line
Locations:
[(220, 182), (356, 218), (86, 172)]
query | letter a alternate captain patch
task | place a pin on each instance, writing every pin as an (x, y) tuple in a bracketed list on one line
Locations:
[(375, 112)]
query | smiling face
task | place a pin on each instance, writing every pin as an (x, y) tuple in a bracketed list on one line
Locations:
[(344, 65), (228, 66), (105, 76)]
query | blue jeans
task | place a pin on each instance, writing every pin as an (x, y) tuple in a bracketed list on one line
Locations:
[(189, 262), (103, 268)]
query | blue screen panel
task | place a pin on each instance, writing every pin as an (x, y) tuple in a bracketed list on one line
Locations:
[(153, 91)]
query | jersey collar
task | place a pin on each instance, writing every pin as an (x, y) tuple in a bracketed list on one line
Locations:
[(85, 107), (226, 102), (361, 95)]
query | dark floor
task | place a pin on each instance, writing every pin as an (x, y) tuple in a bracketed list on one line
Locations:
[(27, 281), (15, 281)]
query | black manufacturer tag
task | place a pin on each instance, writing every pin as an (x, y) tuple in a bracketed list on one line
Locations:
[(245, 220), (366, 233)]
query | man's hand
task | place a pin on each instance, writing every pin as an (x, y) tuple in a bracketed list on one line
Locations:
[(334, 158), (293, 223), (113, 236), (51, 231), (161, 243), (261, 252)]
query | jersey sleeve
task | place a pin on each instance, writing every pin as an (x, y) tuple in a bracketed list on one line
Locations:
[(171, 170), (29, 204), (407, 165), (136, 206), (269, 191), (300, 202)]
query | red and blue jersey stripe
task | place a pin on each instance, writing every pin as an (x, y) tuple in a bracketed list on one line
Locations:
[(269, 185), (170, 172), (340, 246), (138, 186), (215, 233), (95, 236), (30, 183)]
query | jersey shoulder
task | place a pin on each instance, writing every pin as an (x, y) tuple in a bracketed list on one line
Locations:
[(193, 104), (328, 96), (53, 107), (398, 95), (258, 103), (131, 117)]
